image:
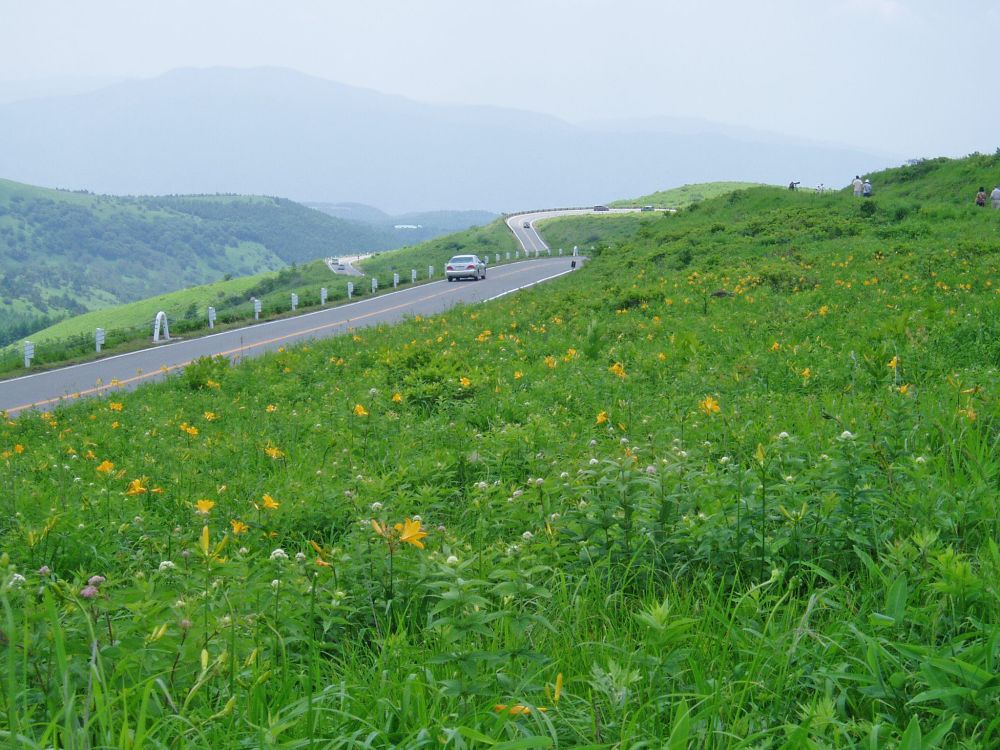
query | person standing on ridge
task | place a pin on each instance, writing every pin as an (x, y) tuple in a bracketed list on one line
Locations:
[(981, 197), (858, 185), (995, 196), (866, 189)]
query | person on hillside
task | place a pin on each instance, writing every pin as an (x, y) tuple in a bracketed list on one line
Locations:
[(995, 196), (866, 189), (981, 197), (858, 186)]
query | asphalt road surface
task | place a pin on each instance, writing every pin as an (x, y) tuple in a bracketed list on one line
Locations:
[(45, 390)]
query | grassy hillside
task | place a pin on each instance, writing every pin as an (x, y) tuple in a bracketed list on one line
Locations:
[(227, 297), (685, 195), (65, 253), (731, 485), (590, 230), (488, 240)]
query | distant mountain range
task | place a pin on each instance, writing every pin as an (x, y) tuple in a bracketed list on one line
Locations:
[(278, 132)]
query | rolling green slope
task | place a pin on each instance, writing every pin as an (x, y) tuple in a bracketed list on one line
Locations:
[(732, 484), (685, 195), (66, 252)]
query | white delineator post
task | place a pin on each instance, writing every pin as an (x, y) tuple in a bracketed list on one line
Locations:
[(350, 289), (322, 295), (374, 285), (29, 353), (395, 280), (430, 272), (413, 275), (161, 322), (99, 339), (211, 317), (256, 309), (295, 301)]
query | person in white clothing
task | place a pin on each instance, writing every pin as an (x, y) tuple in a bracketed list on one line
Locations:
[(866, 189), (995, 196), (858, 186)]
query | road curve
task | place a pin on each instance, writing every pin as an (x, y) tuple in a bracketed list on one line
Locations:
[(531, 241), (48, 389)]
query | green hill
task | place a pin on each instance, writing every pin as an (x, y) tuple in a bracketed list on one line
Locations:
[(64, 252), (732, 484), (685, 195)]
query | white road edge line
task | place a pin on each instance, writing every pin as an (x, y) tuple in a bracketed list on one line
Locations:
[(528, 286)]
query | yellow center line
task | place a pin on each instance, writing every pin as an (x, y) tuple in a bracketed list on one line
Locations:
[(167, 368)]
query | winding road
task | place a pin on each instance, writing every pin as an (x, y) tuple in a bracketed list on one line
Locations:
[(45, 390)]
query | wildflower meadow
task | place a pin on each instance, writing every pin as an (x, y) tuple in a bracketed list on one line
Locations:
[(734, 484)]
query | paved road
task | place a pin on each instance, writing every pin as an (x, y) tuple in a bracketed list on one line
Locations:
[(529, 237), (48, 389)]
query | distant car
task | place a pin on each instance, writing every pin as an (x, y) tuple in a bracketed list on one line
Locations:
[(646, 208), (465, 267), (526, 224), (601, 208), (341, 267)]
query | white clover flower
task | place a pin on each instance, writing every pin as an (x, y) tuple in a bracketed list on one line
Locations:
[(789, 479), (275, 583), (706, 444), (783, 436), (846, 435), (538, 482), (244, 551), (417, 518), (623, 441), (725, 460), (823, 457), (921, 459), (373, 391), (554, 517), (376, 506), (527, 536), (682, 454), (651, 469), (593, 462), (518, 493), (15, 581), (166, 565), (593, 443), (451, 560), (564, 475), (300, 556), (279, 554), (481, 485)]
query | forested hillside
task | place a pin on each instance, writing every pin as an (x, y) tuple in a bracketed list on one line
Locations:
[(67, 252)]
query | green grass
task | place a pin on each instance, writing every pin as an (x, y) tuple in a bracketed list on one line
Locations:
[(731, 485), (484, 241), (681, 197)]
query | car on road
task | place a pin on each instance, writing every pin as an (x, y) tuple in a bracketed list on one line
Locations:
[(601, 208), (526, 225), (465, 267), (646, 208)]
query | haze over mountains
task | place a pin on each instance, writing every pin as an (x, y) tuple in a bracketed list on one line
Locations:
[(278, 132)]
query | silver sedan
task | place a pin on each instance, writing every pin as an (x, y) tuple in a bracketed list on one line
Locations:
[(465, 267)]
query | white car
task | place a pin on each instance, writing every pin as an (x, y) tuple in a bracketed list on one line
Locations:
[(465, 267)]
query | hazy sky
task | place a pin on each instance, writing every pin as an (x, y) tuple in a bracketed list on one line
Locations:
[(912, 77)]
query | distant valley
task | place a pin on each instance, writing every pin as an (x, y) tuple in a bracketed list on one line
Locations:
[(64, 253)]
